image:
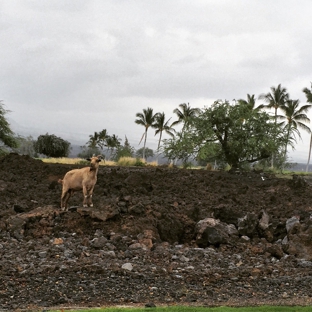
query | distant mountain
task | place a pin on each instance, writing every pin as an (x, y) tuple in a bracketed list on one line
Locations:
[(74, 151), (35, 132), (301, 167)]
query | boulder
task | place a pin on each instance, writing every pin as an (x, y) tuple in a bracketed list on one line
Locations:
[(17, 224), (227, 214), (211, 231), (298, 239), (265, 229), (103, 213), (264, 221), (275, 251), (293, 225), (247, 226)]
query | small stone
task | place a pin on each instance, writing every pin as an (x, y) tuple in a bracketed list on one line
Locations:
[(58, 241), (245, 238), (127, 266), (150, 305), (42, 254)]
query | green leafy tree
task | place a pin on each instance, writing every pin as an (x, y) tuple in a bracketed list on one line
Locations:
[(181, 146), (219, 132), (148, 152), (52, 146), (185, 115), (7, 138), (308, 94), (146, 119), (294, 119), (125, 150)]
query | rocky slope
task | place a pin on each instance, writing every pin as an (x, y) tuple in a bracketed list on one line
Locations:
[(155, 235)]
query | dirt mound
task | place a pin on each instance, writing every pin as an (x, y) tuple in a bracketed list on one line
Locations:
[(139, 242)]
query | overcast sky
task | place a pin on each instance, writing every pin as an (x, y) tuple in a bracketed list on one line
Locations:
[(70, 68)]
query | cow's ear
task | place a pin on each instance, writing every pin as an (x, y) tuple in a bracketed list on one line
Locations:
[(88, 159)]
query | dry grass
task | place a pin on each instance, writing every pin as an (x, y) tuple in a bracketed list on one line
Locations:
[(62, 160), (74, 161), (153, 163), (123, 161), (109, 163)]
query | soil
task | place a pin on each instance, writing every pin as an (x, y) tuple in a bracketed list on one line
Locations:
[(137, 245)]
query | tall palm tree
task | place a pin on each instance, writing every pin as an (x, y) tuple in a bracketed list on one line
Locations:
[(308, 94), (295, 117), (185, 115), (276, 99), (161, 125), (147, 120)]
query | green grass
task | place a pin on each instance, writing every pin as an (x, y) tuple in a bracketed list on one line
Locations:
[(201, 309)]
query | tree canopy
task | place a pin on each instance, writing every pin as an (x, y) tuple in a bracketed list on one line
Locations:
[(6, 134), (52, 146), (234, 134), (148, 152), (125, 150)]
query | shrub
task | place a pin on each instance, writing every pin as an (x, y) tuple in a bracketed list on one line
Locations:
[(51, 146), (139, 162), (130, 161)]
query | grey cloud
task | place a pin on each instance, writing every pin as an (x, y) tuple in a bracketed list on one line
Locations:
[(107, 60)]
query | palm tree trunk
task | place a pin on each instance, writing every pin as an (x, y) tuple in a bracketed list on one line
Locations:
[(158, 147), (307, 168), (272, 160), (285, 152), (286, 145), (111, 153), (144, 143)]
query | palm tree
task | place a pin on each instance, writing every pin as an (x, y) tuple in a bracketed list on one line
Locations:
[(147, 120), (93, 140), (276, 99), (294, 119), (103, 135), (98, 140), (251, 103), (161, 125), (112, 142), (185, 115), (308, 94)]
